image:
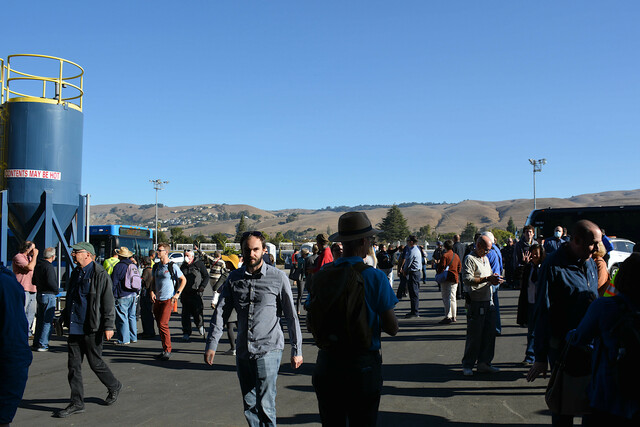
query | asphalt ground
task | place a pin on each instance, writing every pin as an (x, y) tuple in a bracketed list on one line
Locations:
[(423, 381)]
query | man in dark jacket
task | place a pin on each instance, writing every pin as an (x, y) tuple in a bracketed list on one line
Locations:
[(197, 277), (459, 249), (46, 281), (89, 313)]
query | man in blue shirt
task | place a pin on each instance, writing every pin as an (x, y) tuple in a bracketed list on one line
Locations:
[(411, 268), (553, 243), (495, 259), (90, 314), (15, 356), (348, 383), (255, 290), (567, 284)]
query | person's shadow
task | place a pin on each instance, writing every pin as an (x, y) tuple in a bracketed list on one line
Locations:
[(44, 404)]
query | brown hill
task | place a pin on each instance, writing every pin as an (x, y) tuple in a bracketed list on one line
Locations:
[(444, 218)]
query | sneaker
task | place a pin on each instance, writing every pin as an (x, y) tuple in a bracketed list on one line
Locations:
[(526, 362), (231, 352), (411, 316), (445, 321), (69, 410), (165, 356), (201, 330), (113, 396), (185, 338), (485, 368), (467, 372), (41, 349)]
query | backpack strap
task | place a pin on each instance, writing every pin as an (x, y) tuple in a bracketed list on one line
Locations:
[(360, 266), (174, 279)]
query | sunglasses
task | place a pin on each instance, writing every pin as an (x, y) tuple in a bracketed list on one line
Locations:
[(251, 233)]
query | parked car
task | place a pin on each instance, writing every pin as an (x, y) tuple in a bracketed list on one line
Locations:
[(176, 258), (622, 248)]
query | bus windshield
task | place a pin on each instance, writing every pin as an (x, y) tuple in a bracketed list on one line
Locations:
[(618, 221)]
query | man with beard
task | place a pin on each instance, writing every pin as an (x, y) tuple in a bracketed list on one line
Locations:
[(255, 290)]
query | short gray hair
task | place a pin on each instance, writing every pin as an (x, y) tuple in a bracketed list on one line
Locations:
[(489, 235), (49, 253)]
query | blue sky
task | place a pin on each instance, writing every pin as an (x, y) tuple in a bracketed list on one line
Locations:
[(284, 104)]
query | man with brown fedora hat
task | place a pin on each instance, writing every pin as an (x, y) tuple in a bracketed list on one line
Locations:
[(348, 380), (125, 300)]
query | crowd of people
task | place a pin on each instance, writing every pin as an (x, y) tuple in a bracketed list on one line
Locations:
[(563, 290)]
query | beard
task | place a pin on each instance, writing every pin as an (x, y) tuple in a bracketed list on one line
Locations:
[(254, 263)]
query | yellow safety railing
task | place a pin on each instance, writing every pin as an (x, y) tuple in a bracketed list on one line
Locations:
[(1, 81), (72, 82)]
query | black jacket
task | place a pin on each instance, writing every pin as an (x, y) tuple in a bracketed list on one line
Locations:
[(101, 310), (44, 277), (196, 274)]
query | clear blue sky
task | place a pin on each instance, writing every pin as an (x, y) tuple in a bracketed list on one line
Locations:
[(283, 104)]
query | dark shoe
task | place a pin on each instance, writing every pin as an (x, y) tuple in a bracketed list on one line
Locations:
[(159, 356), (445, 321), (69, 410), (411, 316), (165, 356), (113, 395)]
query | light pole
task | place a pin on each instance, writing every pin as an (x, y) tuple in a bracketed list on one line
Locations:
[(537, 167), (158, 184)]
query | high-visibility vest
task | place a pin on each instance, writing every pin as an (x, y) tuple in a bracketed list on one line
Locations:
[(611, 289), (109, 263)]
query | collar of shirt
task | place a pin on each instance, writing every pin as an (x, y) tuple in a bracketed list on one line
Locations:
[(256, 274), (351, 260), (85, 271)]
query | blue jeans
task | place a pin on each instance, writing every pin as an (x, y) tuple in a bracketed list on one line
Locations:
[(481, 334), (45, 313), (529, 354), (30, 308), (126, 321), (258, 385), (413, 284), (496, 302)]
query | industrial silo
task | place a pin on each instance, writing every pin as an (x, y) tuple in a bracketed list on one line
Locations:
[(41, 152)]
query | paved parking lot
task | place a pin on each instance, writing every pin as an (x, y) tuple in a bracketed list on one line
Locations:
[(422, 373)]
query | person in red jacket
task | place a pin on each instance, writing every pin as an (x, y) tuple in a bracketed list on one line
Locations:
[(449, 287), (324, 255)]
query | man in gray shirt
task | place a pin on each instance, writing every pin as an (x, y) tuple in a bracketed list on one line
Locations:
[(255, 290), (411, 269)]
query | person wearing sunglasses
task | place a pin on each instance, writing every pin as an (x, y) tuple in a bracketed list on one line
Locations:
[(90, 316)]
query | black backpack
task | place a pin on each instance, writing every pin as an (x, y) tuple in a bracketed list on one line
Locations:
[(625, 368), (337, 312), (384, 260)]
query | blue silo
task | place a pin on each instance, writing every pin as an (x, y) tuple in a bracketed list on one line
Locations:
[(41, 152)]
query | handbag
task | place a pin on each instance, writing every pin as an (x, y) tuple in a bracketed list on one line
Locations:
[(442, 276), (566, 392)]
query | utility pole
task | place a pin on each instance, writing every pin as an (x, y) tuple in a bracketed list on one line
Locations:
[(158, 184), (537, 167)]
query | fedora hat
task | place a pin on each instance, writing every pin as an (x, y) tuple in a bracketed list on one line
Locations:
[(124, 252), (353, 226)]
